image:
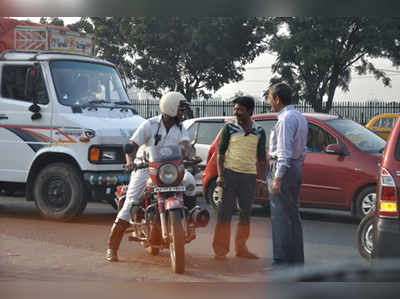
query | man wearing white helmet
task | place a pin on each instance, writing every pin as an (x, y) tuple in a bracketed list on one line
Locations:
[(164, 129)]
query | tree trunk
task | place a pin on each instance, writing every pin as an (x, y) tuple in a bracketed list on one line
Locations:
[(188, 111), (331, 93), (315, 101)]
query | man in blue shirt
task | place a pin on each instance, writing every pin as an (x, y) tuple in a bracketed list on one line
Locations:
[(287, 149)]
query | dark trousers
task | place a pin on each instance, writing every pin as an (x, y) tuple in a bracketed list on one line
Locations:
[(239, 186), (287, 232)]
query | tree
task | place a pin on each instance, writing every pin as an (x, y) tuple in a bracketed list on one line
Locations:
[(52, 21), (83, 25), (187, 54), (317, 54)]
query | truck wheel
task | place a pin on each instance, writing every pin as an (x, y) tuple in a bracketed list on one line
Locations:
[(58, 192), (365, 202), (82, 207)]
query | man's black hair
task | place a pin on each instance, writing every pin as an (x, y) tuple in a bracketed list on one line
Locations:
[(245, 101), (283, 91)]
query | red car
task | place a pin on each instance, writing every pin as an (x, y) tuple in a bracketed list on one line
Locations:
[(340, 170), (378, 234)]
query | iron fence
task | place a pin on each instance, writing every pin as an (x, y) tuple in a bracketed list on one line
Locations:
[(360, 112)]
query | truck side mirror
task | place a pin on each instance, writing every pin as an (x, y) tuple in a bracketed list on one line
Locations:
[(31, 81)]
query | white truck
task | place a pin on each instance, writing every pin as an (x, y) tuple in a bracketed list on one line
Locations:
[(64, 117)]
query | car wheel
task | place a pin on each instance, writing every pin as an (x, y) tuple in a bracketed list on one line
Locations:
[(365, 236), (212, 194), (365, 202), (58, 192)]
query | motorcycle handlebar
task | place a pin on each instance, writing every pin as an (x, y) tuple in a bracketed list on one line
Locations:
[(141, 165), (193, 162)]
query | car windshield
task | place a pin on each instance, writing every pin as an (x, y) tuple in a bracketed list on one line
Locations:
[(360, 136), (84, 83)]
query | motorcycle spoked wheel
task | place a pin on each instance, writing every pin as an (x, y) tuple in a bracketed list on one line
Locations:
[(177, 241)]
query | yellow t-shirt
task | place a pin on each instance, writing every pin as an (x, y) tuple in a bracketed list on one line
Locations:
[(242, 149)]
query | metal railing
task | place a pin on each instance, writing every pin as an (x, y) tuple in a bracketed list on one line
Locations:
[(360, 112)]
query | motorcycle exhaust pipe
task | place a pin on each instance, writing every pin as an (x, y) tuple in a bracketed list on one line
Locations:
[(200, 217)]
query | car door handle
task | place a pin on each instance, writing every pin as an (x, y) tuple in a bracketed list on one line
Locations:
[(3, 116)]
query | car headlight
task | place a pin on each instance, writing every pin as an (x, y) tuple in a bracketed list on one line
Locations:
[(168, 174)]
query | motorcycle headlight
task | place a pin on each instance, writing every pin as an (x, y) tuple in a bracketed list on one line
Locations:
[(168, 174)]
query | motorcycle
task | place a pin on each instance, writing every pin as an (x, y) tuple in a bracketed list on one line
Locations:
[(166, 222), (365, 236)]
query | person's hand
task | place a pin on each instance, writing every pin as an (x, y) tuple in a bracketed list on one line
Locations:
[(220, 181), (129, 166), (263, 188), (276, 186)]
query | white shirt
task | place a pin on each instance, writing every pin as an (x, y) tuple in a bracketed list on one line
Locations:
[(288, 139), (144, 136)]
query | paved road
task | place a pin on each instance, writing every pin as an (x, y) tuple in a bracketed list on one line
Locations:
[(40, 250)]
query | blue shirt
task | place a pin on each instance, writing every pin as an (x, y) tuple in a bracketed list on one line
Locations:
[(288, 139)]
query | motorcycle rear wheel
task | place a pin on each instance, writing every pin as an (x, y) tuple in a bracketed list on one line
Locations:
[(177, 241)]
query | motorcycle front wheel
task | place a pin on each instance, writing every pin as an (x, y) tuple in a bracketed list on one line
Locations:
[(177, 241)]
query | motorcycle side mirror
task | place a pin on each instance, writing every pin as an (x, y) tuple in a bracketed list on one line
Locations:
[(193, 143)]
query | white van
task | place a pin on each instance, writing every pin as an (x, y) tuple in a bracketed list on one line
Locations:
[(63, 120)]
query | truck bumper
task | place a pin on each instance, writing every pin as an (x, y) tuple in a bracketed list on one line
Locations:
[(387, 238), (103, 184), (106, 178)]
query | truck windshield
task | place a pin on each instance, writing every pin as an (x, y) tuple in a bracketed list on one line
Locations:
[(360, 136), (84, 83)]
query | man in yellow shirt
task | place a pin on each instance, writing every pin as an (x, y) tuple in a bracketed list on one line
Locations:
[(241, 143)]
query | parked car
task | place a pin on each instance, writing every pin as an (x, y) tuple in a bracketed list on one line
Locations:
[(202, 132), (378, 235), (382, 124), (341, 173)]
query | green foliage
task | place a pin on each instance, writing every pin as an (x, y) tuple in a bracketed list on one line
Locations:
[(52, 21), (83, 25), (317, 54), (193, 55)]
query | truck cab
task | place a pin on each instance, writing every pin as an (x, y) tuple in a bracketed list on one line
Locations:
[(64, 117)]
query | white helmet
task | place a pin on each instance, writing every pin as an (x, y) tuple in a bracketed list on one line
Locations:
[(169, 103)]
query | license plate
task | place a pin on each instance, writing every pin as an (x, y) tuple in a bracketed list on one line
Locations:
[(170, 189)]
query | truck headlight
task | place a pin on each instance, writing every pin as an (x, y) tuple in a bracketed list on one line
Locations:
[(106, 155), (168, 174)]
